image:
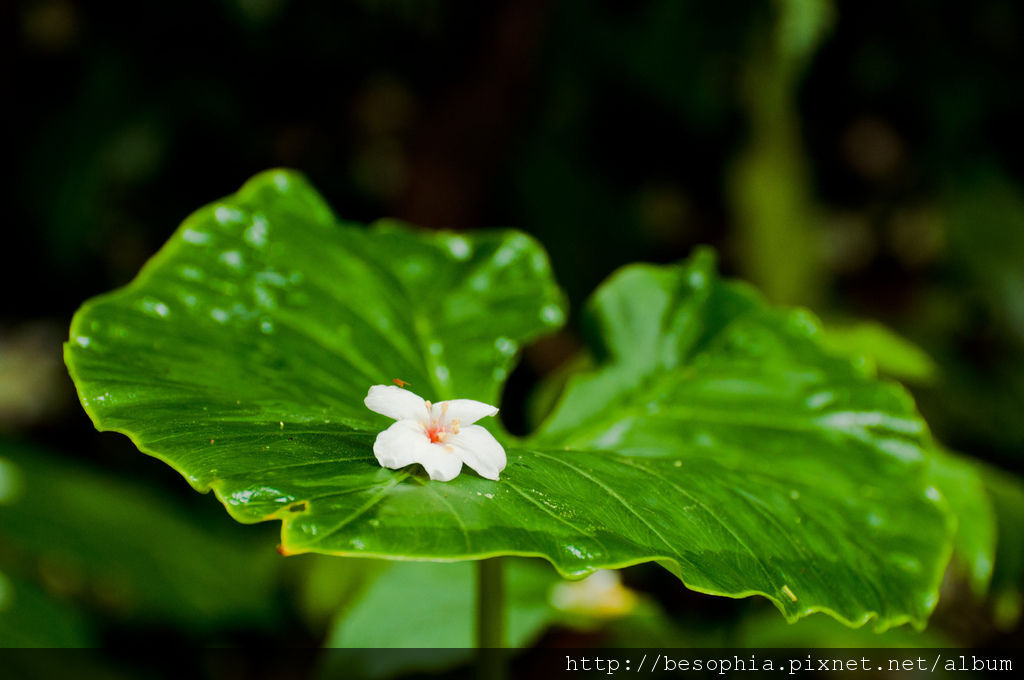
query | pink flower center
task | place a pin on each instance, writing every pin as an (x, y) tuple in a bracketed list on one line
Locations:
[(435, 433), (438, 430)]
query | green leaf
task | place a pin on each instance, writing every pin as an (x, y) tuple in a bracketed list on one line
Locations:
[(974, 546), (799, 470), (892, 353), (549, 388), (123, 549), (715, 436), (430, 607), (30, 618), (327, 585), (764, 632), (1007, 493)]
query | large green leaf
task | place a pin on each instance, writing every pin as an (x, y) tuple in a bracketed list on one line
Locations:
[(809, 469), (715, 437), (956, 477)]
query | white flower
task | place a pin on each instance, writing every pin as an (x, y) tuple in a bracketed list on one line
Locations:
[(440, 437)]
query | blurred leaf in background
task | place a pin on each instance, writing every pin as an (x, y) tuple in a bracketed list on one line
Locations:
[(1007, 597), (974, 318), (430, 606), (31, 618), (890, 353), (772, 196), (124, 551), (975, 542)]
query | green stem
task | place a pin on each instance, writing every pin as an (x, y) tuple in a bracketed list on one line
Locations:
[(490, 618)]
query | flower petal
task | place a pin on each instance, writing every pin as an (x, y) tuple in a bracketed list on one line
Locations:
[(467, 411), (440, 463), (401, 444), (405, 443), (394, 402), (479, 450)]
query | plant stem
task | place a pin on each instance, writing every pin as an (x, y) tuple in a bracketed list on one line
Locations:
[(490, 618)]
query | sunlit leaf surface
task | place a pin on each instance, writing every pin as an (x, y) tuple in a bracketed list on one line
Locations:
[(714, 436)]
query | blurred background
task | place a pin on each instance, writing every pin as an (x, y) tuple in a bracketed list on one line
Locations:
[(859, 158)]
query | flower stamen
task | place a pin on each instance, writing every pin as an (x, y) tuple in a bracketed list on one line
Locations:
[(437, 430)]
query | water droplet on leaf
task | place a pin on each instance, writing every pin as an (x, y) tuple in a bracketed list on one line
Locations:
[(506, 346), (191, 273), (459, 247), (154, 307), (227, 215), (232, 258), (194, 236), (256, 233), (551, 314)]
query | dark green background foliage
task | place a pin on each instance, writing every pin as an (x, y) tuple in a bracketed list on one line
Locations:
[(858, 158)]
